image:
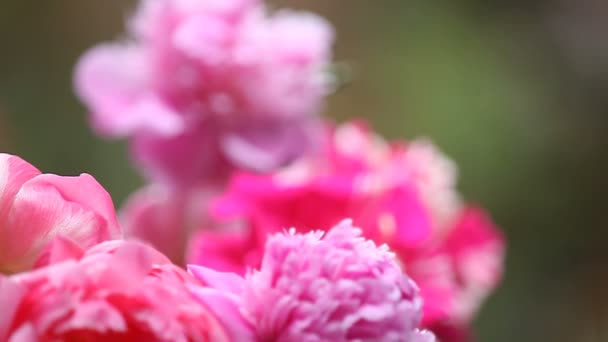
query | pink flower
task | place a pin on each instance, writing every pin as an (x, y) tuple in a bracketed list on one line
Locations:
[(166, 217), (435, 176), (457, 273), (118, 291), (35, 207), (322, 287), (205, 86), (401, 194)]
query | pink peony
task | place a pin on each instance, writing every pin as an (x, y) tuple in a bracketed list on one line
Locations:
[(115, 291), (400, 194), (321, 287), (205, 86), (35, 207)]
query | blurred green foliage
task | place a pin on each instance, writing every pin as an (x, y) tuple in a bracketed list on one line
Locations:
[(495, 84)]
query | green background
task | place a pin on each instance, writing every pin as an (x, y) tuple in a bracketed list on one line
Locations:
[(516, 92)]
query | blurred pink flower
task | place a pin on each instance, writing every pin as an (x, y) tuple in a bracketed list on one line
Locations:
[(205, 86), (115, 291), (333, 286), (35, 207), (457, 273), (401, 194), (166, 217)]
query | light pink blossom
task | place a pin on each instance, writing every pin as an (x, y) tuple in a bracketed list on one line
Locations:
[(35, 207), (333, 286), (401, 194), (115, 291), (202, 87), (166, 217)]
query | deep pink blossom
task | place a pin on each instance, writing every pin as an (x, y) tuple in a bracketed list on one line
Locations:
[(115, 291), (333, 286), (35, 207), (201, 87), (401, 194)]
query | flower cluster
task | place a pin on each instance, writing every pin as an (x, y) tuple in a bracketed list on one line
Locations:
[(400, 194), (340, 287), (204, 86), (220, 102)]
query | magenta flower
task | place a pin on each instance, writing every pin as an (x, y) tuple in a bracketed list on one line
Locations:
[(35, 207), (321, 287), (116, 291), (204, 86), (401, 194)]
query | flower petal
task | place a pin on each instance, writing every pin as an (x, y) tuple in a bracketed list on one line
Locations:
[(222, 281), (226, 308)]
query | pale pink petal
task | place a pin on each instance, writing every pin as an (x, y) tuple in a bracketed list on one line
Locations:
[(215, 32), (301, 38), (136, 260), (223, 281), (226, 308), (40, 212), (158, 216), (97, 315), (14, 172), (423, 336), (59, 250), (11, 294), (182, 160), (112, 79), (86, 191), (26, 333)]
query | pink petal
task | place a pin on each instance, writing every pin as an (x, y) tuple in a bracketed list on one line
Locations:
[(112, 79), (412, 221), (14, 172), (135, 259), (222, 281), (26, 333), (226, 309), (158, 216), (42, 210), (226, 251), (59, 250), (301, 37), (94, 315), (11, 294), (209, 29), (86, 191)]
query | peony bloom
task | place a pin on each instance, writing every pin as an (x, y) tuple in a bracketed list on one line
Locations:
[(202, 87), (115, 291), (35, 207), (335, 286), (401, 194)]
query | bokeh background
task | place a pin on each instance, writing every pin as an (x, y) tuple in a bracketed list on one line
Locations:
[(516, 92)]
